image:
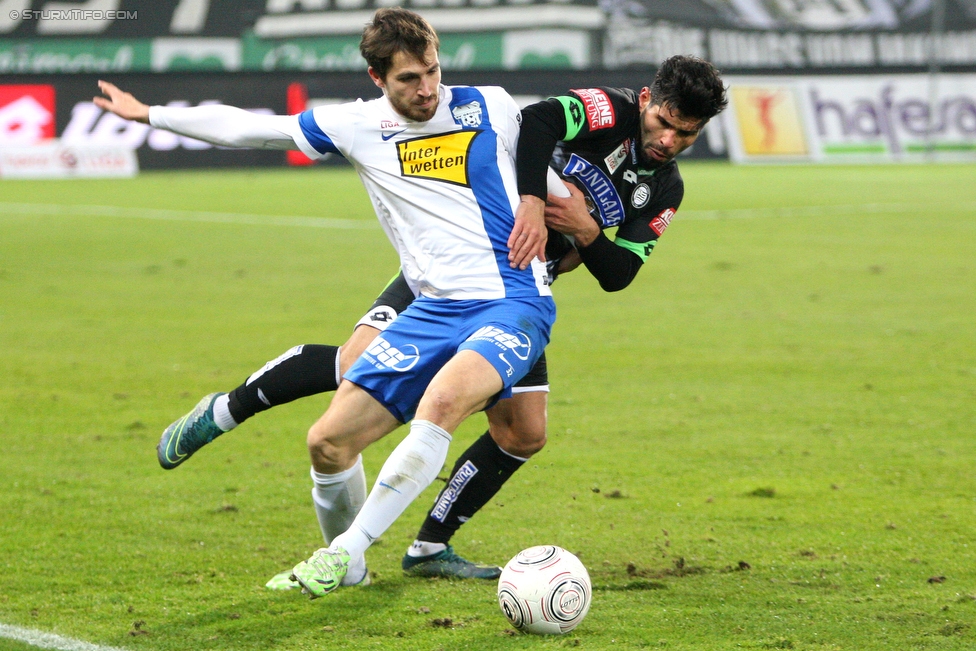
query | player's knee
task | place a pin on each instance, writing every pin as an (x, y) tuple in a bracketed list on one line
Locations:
[(522, 439), (358, 341), (444, 406), (531, 443), (518, 425), (327, 457)]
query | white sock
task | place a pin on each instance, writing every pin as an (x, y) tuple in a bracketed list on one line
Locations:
[(221, 411), (338, 498), (423, 548), (356, 572), (504, 451), (410, 469)]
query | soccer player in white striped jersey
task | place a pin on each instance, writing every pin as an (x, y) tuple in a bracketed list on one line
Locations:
[(438, 165)]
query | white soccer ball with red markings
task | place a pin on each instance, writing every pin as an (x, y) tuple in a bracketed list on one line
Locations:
[(544, 590)]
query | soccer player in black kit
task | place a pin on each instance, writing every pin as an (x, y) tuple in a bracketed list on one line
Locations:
[(615, 149)]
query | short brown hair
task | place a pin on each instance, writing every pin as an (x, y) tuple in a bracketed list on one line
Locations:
[(691, 85), (393, 30)]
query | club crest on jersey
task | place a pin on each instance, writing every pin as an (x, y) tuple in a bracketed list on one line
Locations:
[(659, 223), (382, 354), (609, 207), (599, 109), (640, 196), (468, 115), (442, 158)]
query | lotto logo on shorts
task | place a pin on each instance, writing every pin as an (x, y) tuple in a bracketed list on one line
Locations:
[(396, 358), (518, 344), (599, 109), (450, 494)]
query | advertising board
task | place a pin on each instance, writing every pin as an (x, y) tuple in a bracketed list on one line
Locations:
[(77, 121), (250, 35), (862, 118)]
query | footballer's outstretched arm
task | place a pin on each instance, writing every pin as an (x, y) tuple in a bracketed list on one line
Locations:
[(218, 124), (123, 104)]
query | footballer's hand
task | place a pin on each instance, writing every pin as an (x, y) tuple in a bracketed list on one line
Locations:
[(121, 103), (569, 216), (529, 235)]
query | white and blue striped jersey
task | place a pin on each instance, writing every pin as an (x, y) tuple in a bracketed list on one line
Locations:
[(444, 190)]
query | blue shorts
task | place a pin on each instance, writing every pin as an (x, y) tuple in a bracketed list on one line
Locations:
[(510, 333)]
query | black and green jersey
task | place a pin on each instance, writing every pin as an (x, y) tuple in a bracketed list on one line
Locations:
[(592, 138)]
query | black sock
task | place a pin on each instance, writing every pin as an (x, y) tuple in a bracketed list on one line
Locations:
[(300, 372), (478, 475)]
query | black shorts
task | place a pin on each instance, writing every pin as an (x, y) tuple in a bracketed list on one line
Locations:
[(396, 296)]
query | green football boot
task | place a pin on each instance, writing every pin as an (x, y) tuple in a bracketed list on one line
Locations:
[(323, 572), (449, 565), (282, 581), (188, 434)]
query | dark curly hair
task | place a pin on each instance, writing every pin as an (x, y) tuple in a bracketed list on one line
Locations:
[(393, 30), (690, 85)]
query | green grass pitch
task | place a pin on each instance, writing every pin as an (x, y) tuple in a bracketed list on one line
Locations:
[(768, 441)]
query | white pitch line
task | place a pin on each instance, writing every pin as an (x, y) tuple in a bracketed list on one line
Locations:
[(57, 209), (817, 211), (49, 640)]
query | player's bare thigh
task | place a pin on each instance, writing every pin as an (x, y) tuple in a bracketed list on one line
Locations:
[(462, 387), (518, 424), (353, 421), (358, 341)]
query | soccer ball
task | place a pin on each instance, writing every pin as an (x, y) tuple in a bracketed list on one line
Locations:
[(544, 590)]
